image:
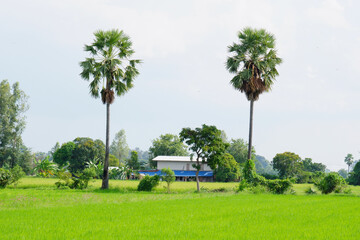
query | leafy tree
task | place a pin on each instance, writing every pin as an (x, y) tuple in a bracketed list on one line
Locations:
[(239, 150), (253, 61), (288, 164), (342, 172), (119, 148), (354, 176), (330, 183), (113, 161), (349, 159), (264, 168), (309, 166), (207, 144), (168, 176), (228, 169), (13, 105), (167, 145), (109, 66), (62, 156), (133, 162)]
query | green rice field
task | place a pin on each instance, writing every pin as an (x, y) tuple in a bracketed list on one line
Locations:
[(35, 209)]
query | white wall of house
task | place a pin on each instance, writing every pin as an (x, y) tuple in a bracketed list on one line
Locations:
[(178, 165)]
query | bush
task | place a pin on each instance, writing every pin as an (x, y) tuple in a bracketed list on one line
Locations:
[(330, 183), (79, 180), (168, 176), (310, 190), (278, 186), (10, 177), (354, 176), (148, 183), (5, 177)]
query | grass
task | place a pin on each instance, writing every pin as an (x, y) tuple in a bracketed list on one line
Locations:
[(36, 210)]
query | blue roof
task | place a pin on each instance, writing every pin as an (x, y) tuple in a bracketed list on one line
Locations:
[(180, 173)]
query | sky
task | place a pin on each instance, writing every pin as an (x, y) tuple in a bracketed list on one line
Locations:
[(312, 110)]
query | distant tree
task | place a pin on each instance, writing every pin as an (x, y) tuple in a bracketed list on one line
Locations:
[(168, 176), (45, 168), (110, 67), (239, 150), (342, 172), (253, 61), (310, 166), (133, 162), (228, 169), (119, 148), (354, 176), (166, 145), (62, 156), (349, 159), (208, 146), (264, 167), (113, 161), (288, 164), (13, 105)]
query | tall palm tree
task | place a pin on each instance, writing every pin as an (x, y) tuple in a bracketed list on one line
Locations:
[(111, 72), (253, 61)]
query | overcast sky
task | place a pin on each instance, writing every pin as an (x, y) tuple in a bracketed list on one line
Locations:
[(313, 109)]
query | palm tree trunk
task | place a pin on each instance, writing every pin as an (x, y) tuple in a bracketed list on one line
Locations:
[(250, 128), (105, 182)]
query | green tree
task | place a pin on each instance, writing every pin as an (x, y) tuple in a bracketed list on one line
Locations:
[(45, 168), (13, 105), (354, 176), (62, 156), (133, 162), (349, 159), (110, 67), (239, 150), (168, 176), (119, 148), (342, 172), (288, 164), (206, 142), (310, 166), (167, 145), (113, 161), (228, 169), (253, 61)]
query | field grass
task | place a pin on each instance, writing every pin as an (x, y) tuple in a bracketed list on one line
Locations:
[(36, 210)]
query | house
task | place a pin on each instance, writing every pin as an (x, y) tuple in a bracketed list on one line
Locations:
[(182, 167)]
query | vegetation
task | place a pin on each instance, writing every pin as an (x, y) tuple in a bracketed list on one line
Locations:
[(349, 159), (354, 176), (45, 168), (167, 145), (228, 169), (80, 180), (168, 176), (119, 148), (253, 62), (11, 176), (206, 142), (148, 183), (109, 66), (288, 164), (330, 183), (133, 161)]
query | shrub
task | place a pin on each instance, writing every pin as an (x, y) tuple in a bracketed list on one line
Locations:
[(168, 176), (243, 184), (331, 182), (278, 186), (5, 177), (79, 180), (148, 183), (310, 190)]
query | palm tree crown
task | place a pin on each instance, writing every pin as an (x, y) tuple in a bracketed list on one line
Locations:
[(253, 62), (109, 65)]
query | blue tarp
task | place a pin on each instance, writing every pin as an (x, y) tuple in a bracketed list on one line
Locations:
[(179, 173)]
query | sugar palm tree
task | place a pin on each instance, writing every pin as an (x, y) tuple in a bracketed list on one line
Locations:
[(253, 61), (110, 72)]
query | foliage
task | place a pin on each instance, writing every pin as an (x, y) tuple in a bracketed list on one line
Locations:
[(133, 162), (310, 191), (330, 183), (98, 168), (11, 176), (119, 147), (228, 169), (354, 176), (342, 172), (168, 176), (148, 183), (288, 164), (207, 143), (118, 173), (264, 167), (238, 148), (79, 152), (113, 161), (13, 105), (310, 166), (278, 186), (80, 180), (166, 145), (45, 168)]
